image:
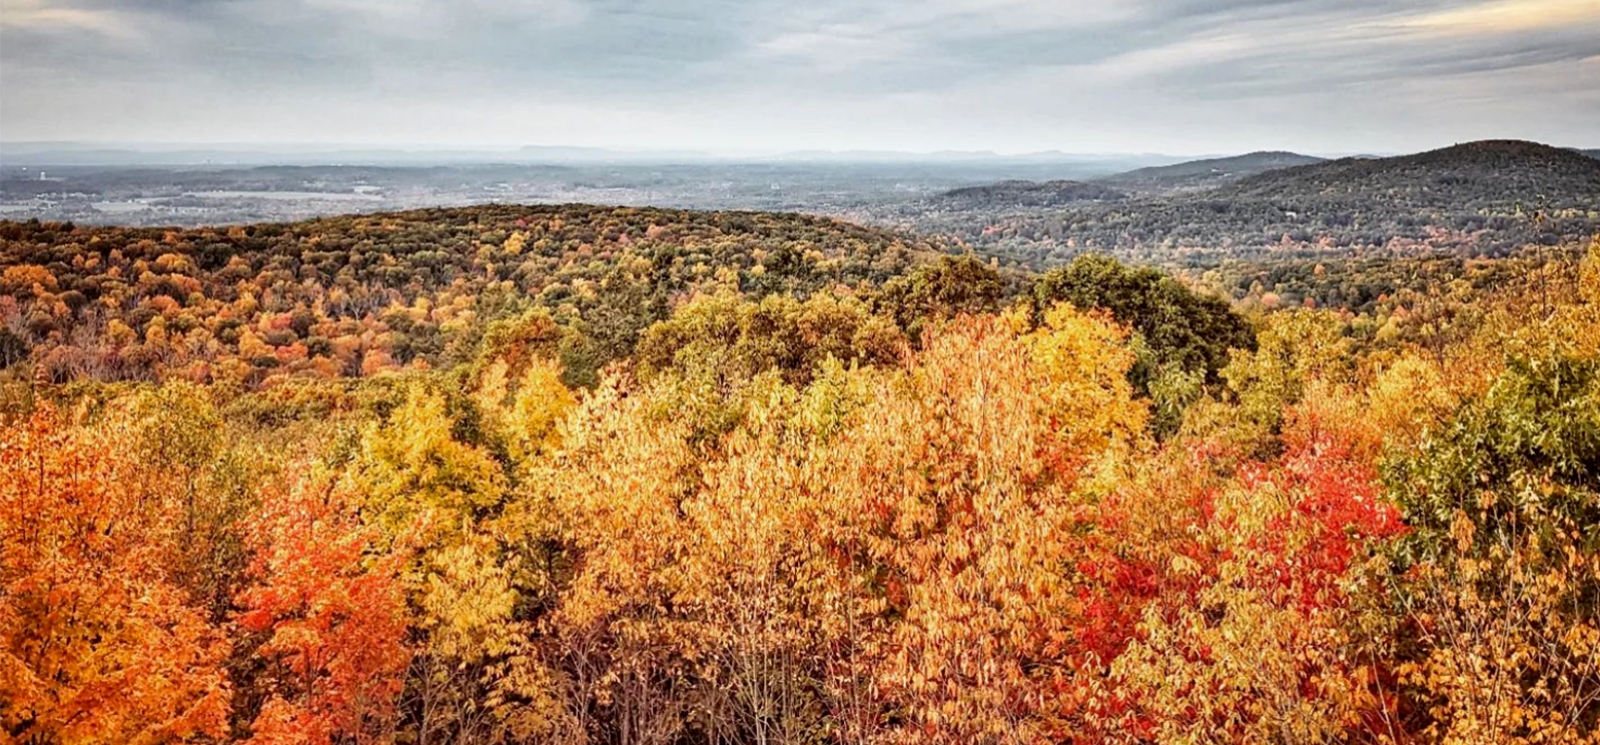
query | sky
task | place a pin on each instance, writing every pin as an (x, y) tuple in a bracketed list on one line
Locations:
[(745, 76)]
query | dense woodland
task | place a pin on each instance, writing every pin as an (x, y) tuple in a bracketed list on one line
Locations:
[(350, 296), (642, 477)]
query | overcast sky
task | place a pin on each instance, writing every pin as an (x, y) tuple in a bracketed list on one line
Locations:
[(1174, 76)]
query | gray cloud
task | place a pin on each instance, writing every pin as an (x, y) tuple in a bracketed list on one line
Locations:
[(1174, 75)]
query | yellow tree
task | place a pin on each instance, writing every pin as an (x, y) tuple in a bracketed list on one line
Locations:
[(953, 498), (762, 593), (411, 471), (476, 557), (617, 487)]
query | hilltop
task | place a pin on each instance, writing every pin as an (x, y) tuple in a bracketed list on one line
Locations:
[(1206, 174), (355, 294), (1457, 177)]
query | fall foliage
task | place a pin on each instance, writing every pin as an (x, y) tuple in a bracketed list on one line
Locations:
[(956, 506)]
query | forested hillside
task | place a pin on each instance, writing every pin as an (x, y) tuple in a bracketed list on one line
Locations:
[(1469, 175), (638, 477)]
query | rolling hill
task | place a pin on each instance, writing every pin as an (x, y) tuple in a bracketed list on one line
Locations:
[(341, 296), (1205, 174)]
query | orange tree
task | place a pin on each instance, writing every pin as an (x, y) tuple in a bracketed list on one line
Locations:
[(98, 641)]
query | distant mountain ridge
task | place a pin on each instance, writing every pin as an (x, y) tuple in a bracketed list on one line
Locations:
[(1206, 173), (1016, 193), (24, 153), (1472, 199)]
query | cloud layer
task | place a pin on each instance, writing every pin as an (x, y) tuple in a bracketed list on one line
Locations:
[(1184, 76)]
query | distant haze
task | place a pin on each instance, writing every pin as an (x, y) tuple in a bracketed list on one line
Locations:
[(732, 77)]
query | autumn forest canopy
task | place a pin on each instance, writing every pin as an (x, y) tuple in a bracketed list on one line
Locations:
[(627, 476)]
